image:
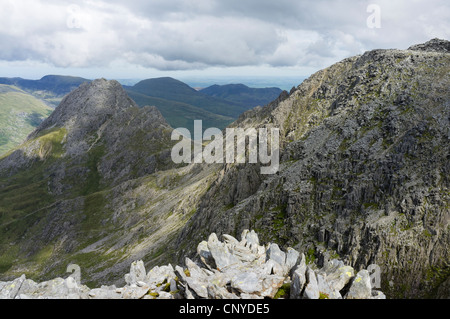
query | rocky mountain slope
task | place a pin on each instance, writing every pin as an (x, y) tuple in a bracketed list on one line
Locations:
[(93, 185), (364, 170), (363, 178)]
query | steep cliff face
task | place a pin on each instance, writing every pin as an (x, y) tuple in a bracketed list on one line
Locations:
[(365, 170)]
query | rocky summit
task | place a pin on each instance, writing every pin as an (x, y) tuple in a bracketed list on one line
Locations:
[(363, 181), (228, 269)]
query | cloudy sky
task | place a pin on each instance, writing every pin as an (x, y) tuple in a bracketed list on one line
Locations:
[(148, 38)]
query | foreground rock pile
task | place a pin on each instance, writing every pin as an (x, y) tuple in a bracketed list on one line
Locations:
[(230, 269)]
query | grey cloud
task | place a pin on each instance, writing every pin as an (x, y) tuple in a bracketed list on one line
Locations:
[(196, 34)]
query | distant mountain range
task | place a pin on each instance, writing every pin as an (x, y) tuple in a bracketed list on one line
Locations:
[(180, 104), (25, 103), (242, 94)]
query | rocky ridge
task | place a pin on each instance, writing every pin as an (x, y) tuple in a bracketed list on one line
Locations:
[(230, 269), (363, 178), (363, 173)]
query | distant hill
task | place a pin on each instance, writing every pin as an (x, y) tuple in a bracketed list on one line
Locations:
[(180, 104), (50, 88), (242, 94), (20, 114), (179, 114)]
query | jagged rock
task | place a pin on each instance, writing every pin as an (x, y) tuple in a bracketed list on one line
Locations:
[(218, 292), (137, 273), (298, 279), (434, 45), (292, 259), (197, 279), (220, 252), (247, 282), (270, 285), (250, 239), (272, 267), (9, 290), (57, 288), (205, 255), (326, 289), (255, 277), (274, 252), (160, 274), (360, 287), (180, 273), (134, 292), (338, 275), (312, 288)]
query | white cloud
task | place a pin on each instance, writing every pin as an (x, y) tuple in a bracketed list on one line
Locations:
[(194, 34)]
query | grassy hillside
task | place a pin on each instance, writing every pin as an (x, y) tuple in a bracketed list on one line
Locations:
[(50, 88), (20, 114), (179, 114)]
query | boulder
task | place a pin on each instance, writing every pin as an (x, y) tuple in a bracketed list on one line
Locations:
[(360, 287)]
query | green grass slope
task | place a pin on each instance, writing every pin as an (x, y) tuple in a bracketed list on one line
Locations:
[(20, 114), (179, 114)]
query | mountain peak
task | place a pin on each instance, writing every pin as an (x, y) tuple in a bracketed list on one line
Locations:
[(88, 106), (434, 45)]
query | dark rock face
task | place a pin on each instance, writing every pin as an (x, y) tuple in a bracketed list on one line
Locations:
[(364, 174)]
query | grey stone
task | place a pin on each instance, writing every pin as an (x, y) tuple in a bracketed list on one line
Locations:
[(325, 289), (338, 275), (247, 282), (312, 288), (376, 294), (130, 292), (102, 293), (360, 287), (222, 256), (160, 274), (274, 252), (292, 258), (230, 240), (270, 285), (137, 273), (218, 292), (298, 279), (10, 289), (205, 255)]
